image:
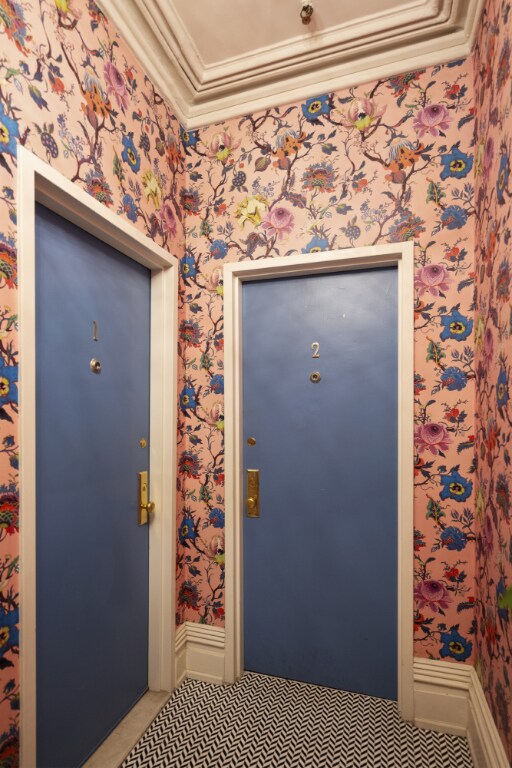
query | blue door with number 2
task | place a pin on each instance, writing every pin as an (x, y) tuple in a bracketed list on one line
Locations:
[(320, 402), (92, 302)]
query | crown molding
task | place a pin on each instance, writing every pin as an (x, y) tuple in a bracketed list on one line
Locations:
[(422, 34)]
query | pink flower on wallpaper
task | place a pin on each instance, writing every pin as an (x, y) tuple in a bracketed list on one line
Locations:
[(116, 84), (221, 146), (278, 221), (432, 119), (361, 113), (168, 219), (432, 437), (432, 278), (488, 346), (432, 594)]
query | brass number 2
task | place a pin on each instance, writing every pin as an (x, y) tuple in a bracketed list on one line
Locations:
[(316, 349)]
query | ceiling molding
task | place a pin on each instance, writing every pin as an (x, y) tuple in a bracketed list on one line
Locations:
[(420, 34)]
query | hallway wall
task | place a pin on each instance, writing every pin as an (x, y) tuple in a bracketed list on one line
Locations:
[(384, 162), (71, 92), (493, 326)]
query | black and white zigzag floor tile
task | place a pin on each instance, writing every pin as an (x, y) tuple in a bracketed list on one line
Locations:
[(268, 722)]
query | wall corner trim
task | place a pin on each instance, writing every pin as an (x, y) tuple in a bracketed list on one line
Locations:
[(448, 697), (200, 653)]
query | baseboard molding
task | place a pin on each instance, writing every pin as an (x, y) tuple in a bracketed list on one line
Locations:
[(448, 697), (200, 653), (487, 748), (441, 693)]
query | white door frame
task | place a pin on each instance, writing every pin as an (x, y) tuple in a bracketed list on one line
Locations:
[(401, 255), (39, 182)]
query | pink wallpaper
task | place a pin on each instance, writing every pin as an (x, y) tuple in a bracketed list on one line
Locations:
[(70, 91), (386, 162), (493, 327)]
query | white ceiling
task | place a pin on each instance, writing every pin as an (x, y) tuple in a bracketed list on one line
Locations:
[(214, 59)]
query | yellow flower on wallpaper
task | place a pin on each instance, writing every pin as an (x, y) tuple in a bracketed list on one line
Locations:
[(152, 187), (251, 209)]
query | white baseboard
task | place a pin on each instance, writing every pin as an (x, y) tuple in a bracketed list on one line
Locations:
[(486, 746), (441, 692), (200, 653), (448, 697)]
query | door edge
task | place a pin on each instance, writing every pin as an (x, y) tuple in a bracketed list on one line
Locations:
[(400, 255), (39, 182)]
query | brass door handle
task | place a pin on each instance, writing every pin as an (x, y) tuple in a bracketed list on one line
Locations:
[(146, 507), (252, 501)]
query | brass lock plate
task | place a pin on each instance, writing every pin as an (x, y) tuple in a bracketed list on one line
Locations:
[(252, 501), (143, 499)]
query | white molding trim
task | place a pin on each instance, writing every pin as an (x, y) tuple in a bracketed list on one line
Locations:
[(441, 693), (200, 653), (487, 749), (39, 182), (401, 255), (448, 697), (418, 35)]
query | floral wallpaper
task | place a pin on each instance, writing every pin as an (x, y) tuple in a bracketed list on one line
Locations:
[(493, 328), (72, 92), (390, 161)]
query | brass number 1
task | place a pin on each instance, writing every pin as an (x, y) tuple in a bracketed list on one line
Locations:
[(316, 349)]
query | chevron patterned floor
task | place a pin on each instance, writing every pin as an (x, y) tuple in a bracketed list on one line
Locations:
[(267, 722)]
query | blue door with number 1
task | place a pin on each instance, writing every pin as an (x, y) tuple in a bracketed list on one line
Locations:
[(320, 404), (92, 302)]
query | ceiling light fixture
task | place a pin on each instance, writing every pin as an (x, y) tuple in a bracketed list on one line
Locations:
[(306, 12)]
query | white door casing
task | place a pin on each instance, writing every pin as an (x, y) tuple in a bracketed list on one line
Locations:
[(401, 255), (39, 182)]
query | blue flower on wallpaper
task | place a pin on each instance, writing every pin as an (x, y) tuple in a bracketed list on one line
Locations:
[(9, 133), (189, 138), (456, 164), (312, 109), (455, 487), (216, 518), (503, 613), (217, 384), (453, 538), (454, 379), (454, 217), (8, 386), (502, 181), (455, 646), (502, 389), (188, 398), (456, 326), (9, 634), (187, 531), (130, 154), (316, 244), (218, 249), (188, 266), (130, 208)]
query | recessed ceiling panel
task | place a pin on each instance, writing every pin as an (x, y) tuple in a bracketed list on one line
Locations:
[(215, 59)]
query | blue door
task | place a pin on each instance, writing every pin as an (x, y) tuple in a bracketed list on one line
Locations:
[(92, 557), (320, 563)]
